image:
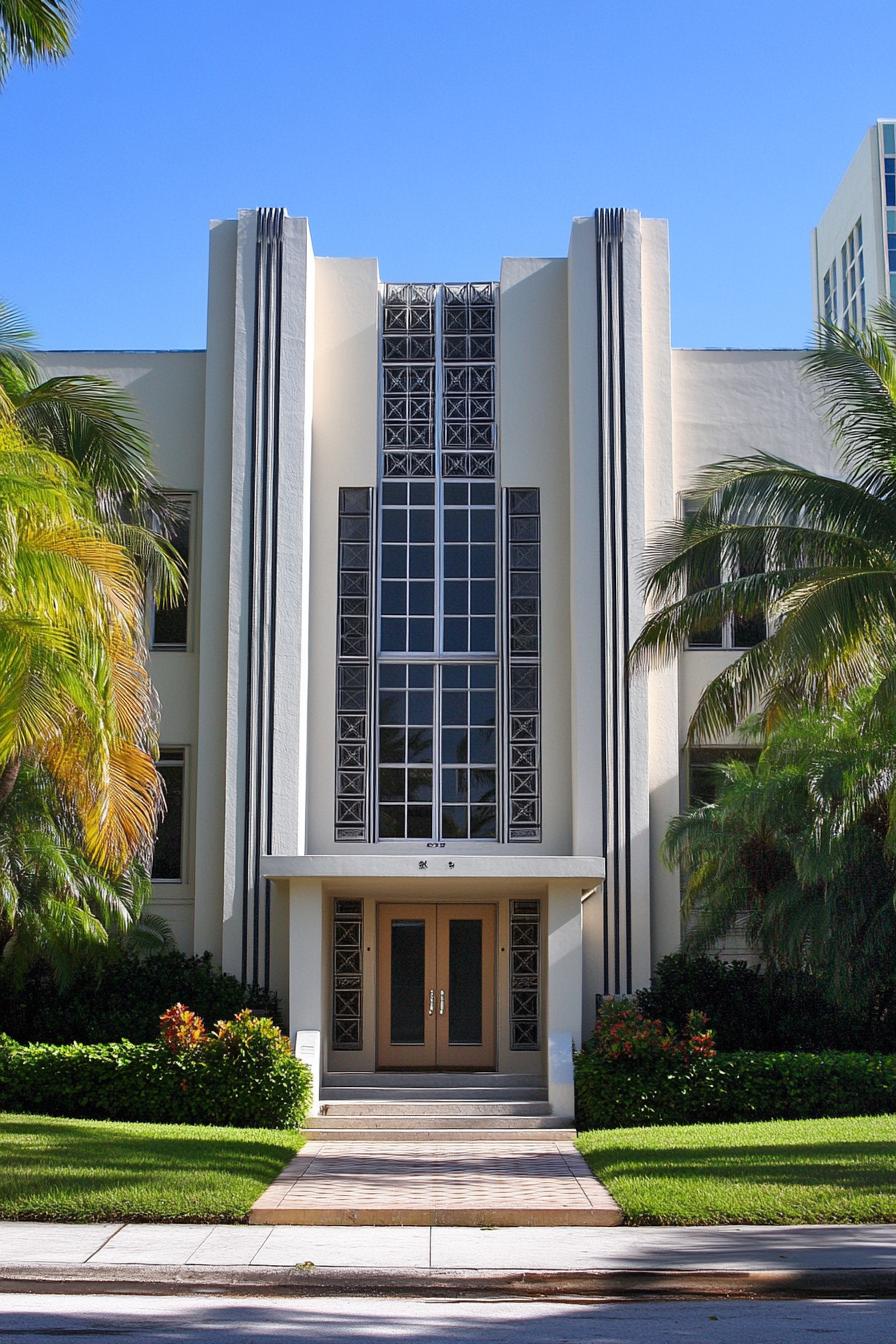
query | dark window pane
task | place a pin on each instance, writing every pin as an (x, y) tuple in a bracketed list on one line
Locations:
[(420, 744), (455, 492), (170, 624), (482, 635), (482, 707), (454, 786), (454, 746), (392, 786), (454, 823), (465, 981), (420, 822), (482, 745), (421, 675), (482, 675), (455, 634), (483, 822), (482, 786), (167, 857), (391, 823), (455, 525), (392, 706), (421, 635), (420, 707), (407, 1008), (419, 786), (482, 598), (422, 562), (422, 492), (482, 562), (395, 562), (455, 598), (454, 676), (394, 599), (482, 525), (393, 635), (456, 562), (422, 525), (454, 707), (394, 525), (392, 744), (422, 599), (394, 492)]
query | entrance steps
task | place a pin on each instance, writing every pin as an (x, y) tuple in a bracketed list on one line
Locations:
[(436, 1107)]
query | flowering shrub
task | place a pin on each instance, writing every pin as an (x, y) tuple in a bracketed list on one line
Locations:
[(622, 1032), (182, 1029), (243, 1073)]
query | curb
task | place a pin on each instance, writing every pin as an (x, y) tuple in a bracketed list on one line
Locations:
[(293, 1280)]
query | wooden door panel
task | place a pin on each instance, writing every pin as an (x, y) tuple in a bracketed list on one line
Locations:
[(406, 1003), (465, 975)]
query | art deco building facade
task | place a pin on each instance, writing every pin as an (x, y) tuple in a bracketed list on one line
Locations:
[(410, 784)]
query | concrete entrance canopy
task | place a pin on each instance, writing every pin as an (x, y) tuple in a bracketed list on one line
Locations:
[(564, 882)]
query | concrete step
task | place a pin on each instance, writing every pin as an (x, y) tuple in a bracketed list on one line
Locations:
[(362, 1107), (446, 1079), (447, 1094), (444, 1134), (491, 1123)]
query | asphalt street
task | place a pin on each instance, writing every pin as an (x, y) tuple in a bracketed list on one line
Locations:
[(207, 1320)]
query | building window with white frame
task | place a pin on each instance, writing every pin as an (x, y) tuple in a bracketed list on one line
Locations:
[(169, 625), (852, 278), (168, 853), (734, 632)]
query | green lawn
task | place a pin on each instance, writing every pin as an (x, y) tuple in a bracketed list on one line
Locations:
[(777, 1171), (94, 1170)]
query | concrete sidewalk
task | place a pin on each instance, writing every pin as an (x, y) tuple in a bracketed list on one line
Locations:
[(740, 1248)]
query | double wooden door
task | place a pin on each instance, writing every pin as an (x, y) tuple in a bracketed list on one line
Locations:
[(436, 986)]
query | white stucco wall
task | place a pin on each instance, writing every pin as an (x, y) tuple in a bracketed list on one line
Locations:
[(858, 196), (169, 389)]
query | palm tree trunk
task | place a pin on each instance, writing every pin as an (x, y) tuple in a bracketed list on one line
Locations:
[(8, 776)]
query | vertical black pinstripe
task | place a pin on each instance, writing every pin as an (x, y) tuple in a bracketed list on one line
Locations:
[(263, 484), (613, 621)]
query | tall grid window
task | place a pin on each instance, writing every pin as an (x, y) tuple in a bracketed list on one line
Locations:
[(170, 624), (437, 672), (852, 278), (735, 632), (830, 294)]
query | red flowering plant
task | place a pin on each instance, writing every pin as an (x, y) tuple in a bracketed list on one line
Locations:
[(623, 1033), (182, 1029)]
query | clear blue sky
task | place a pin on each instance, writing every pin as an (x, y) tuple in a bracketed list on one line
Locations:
[(437, 135)]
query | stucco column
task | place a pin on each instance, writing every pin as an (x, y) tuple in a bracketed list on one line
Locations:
[(306, 956), (564, 991)]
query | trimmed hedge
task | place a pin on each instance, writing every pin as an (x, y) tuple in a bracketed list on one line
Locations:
[(246, 1078), (741, 1085), (115, 994)]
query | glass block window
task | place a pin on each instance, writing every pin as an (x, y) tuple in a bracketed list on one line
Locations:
[(353, 664), (168, 852), (348, 975), (525, 974), (468, 380), (408, 380), (523, 521)]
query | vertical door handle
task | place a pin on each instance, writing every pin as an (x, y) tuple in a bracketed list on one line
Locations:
[(432, 1001), (441, 1002)]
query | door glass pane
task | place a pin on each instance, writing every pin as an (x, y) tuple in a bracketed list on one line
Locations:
[(465, 982), (407, 989)]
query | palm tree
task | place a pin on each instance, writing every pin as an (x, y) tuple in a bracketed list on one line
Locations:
[(75, 694), (33, 30), (796, 852), (829, 543), (93, 423), (53, 899)]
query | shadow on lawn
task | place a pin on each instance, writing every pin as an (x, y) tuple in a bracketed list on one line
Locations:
[(856, 1165), (109, 1157)]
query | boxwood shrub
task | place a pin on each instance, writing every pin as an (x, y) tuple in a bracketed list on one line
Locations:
[(242, 1074), (740, 1085)]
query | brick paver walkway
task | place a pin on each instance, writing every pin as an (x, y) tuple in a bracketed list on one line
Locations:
[(437, 1184)]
